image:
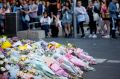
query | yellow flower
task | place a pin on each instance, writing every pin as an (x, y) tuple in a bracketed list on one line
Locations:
[(58, 45), (23, 58), (24, 47), (6, 44), (50, 45)]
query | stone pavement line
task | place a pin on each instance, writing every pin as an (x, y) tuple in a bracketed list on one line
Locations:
[(114, 61), (99, 60)]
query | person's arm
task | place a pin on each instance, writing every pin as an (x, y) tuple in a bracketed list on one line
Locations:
[(41, 20), (77, 11), (53, 3), (35, 9), (49, 20), (22, 10), (84, 11)]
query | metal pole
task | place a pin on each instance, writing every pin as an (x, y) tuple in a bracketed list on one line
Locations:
[(74, 19)]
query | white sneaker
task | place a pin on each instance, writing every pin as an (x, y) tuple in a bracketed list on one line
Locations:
[(90, 36), (106, 36), (94, 36)]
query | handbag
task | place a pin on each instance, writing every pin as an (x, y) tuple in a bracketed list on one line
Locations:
[(87, 19), (105, 15), (95, 16)]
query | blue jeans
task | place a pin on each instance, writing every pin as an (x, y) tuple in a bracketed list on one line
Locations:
[(46, 28)]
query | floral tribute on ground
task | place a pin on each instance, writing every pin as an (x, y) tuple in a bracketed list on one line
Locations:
[(27, 59)]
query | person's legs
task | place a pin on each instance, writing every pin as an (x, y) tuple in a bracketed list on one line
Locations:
[(119, 26), (112, 28), (91, 28), (78, 28), (54, 31), (46, 28), (82, 29), (66, 30), (69, 29), (103, 28), (108, 27), (1, 27), (94, 27)]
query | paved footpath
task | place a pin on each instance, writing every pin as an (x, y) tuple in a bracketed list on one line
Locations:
[(107, 52)]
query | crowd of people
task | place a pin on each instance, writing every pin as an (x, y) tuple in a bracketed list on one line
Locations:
[(102, 17)]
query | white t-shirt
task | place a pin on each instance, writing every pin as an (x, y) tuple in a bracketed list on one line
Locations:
[(45, 20)]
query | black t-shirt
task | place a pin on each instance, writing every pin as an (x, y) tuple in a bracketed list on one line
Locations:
[(52, 1), (53, 8)]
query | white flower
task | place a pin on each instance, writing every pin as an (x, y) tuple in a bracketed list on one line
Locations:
[(7, 67), (2, 56), (2, 69), (1, 62)]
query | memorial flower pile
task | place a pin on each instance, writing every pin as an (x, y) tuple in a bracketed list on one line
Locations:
[(27, 59)]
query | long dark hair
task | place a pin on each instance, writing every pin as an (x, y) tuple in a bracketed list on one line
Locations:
[(69, 4)]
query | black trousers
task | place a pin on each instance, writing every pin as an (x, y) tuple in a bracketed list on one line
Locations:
[(46, 29), (54, 30), (2, 24), (80, 25), (93, 27), (1, 32), (113, 24)]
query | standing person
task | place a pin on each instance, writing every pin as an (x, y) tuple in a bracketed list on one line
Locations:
[(118, 14), (45, 23), (53, 26), (25, 15), (67, 19), (41, 8), (105, 18), (92, 23), (16, 7), (33, 8), (80, 12), (5, 9), (113, 18)]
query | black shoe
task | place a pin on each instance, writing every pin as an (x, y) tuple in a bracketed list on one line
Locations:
[(119, 34), (82, 36), (114, 37), (66, 36)]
